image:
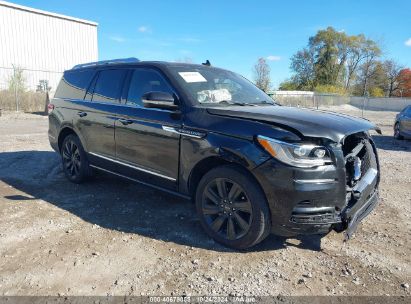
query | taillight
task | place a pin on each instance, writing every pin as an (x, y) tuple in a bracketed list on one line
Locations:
[(50, 107)]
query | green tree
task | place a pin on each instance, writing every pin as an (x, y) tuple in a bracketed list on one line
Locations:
[(333, 58), (330, 54), (303, 65)]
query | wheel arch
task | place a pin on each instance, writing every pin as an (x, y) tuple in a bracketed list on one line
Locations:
[(201, 168), (64, 132), (211, 162)]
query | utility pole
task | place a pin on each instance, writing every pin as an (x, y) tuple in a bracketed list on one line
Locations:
[(16, 97), (365, 96)]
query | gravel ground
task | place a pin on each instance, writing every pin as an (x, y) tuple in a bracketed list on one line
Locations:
[(113, 237)]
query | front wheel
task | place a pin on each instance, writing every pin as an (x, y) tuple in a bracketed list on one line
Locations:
[(74, 158), (232, 207), (397, 134)]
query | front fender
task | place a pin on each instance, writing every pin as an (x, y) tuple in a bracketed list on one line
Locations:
[(227, 148)]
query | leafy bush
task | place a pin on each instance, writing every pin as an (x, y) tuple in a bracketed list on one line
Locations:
[(377, 92), (330, 89), (288, 85)]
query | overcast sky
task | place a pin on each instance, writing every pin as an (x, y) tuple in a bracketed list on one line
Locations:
[(234, 34)]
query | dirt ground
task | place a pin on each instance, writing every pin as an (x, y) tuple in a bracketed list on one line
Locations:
[(113, 237)]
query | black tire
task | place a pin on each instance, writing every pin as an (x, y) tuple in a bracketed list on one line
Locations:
[(74, 158), (397, 134), (225, 213)]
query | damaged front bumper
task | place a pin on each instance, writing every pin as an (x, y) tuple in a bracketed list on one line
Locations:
[(319, 200), (360, 214)]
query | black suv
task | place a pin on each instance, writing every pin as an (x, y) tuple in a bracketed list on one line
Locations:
[(251, 166)]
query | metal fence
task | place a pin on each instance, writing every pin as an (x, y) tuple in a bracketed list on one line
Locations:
[(30, 94), (337, 103), (32, 77)]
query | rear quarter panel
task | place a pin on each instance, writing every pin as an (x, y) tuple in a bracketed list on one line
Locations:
[(60, 118)]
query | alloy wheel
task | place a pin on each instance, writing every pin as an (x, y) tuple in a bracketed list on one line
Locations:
[(226, 208), (71, 159), (397, 130)]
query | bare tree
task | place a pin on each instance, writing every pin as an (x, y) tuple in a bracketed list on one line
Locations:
[(355, 56), (393, 70), (17, 84), (361, 50), (17, 81), (368, 68), (262, 75)]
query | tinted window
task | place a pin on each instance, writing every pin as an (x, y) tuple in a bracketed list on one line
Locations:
[(74, 84), (108, 86), (144, 81), (408, 111)]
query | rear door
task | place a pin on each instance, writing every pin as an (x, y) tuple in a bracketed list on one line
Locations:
[(143, 145), (95, 120)]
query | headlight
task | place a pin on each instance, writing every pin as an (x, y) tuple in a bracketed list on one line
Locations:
[(298, 155)]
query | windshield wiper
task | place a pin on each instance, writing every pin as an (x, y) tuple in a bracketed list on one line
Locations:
[(236, 103), (273, 103)]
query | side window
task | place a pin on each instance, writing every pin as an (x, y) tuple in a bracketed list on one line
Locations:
[(144, 81), (89, 94), (109, 85), (408, 111), (74, 84)]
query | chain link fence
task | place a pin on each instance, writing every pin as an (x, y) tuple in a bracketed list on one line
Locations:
[(358, 106), (24, 89)]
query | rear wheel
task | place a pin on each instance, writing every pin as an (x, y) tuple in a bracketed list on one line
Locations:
[(74, 158), (232, 207), (397, 134)]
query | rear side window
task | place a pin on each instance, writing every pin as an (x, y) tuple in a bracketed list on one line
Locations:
[(144, 81), (74, 84), (109, 86)]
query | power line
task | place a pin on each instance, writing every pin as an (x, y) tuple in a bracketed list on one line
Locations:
[(30, 70)]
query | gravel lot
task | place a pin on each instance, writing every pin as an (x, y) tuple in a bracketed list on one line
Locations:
[(113, 237)]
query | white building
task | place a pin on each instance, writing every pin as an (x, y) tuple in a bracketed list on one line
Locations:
[(42, 44)]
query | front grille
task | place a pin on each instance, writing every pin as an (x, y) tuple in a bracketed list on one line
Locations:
[(315, 218), (366, 161)]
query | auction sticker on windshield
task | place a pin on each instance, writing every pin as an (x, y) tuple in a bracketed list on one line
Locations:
[(192, 77)]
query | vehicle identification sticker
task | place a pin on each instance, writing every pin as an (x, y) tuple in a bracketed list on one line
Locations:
[(192, 77)]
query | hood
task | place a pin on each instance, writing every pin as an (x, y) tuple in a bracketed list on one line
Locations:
[(309, 123)]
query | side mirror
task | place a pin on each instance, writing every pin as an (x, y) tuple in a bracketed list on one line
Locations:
[(159, 100)]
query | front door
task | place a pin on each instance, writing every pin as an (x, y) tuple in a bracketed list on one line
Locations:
[(144, 144)]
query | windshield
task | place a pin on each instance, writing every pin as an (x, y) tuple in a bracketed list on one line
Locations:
[(211, 86)]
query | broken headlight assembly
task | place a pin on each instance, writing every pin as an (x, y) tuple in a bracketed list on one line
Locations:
[(296, 154)]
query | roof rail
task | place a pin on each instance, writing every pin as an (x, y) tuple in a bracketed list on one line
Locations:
[(104, 62)]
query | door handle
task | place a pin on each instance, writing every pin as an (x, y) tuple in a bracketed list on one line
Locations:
[(82, 114), (125, 121)]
